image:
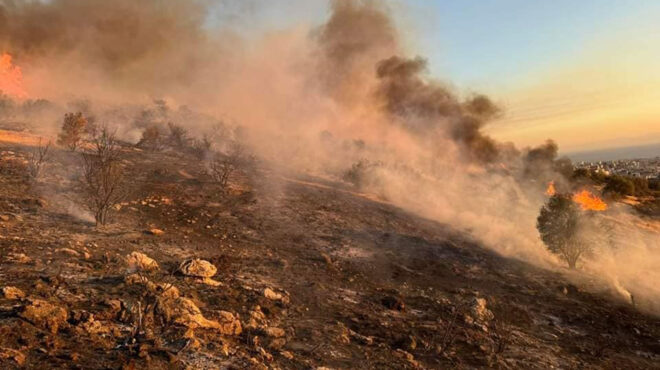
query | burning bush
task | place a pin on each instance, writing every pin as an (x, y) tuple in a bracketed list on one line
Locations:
[(73, 128), (559, 225), (102, 180)]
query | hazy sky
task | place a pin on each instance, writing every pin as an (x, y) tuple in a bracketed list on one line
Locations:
[(584, 72)]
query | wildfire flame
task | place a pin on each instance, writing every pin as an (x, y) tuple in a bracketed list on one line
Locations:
[(588, 201), (11, 78), (550, 191)]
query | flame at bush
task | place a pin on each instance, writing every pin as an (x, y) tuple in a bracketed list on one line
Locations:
[(550, 191), (589, 202), (11, 78)]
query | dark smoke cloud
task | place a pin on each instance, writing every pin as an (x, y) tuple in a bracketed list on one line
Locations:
[(148, 40), (425, 106), (355, 37)]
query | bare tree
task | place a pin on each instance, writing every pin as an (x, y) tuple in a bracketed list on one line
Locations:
[(37, 158), (73, 129), (102, 180), (223, 165)]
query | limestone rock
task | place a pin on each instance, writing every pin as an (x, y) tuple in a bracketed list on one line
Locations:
[(8, 353), (185, 312), (44, 314), (141, 262), (19, 258), (275, 296), (197, 268), (479, 310), (275, 332), (11, 292), (230, 325), (154, 231)]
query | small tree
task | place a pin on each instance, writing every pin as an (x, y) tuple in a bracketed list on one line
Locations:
[(151, 139), (102, 180), (73, 128), (223, 165), (37, 158), (200, 148), (559, 225), (178, 136)]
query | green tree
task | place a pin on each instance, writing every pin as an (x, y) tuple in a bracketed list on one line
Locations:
[(619, 186), (559, 226)]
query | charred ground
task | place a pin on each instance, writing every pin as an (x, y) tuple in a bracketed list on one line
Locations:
[(351, 281)]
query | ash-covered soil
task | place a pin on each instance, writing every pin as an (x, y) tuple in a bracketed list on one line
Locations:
[(304, 273)]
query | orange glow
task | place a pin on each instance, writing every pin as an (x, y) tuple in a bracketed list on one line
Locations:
[(588, 201), (11, 78), (550, 191)]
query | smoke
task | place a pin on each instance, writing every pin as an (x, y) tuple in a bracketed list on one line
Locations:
[(316, 100)]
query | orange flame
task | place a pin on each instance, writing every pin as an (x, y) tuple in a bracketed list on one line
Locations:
[(588, 201), (550, 191), (11, 78)]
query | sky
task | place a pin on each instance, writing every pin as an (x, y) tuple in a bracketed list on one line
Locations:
[(585, 73)]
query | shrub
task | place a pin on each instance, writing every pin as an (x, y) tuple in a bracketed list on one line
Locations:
[(223, 165), (360, 173), (73, 128), (617, 186), (151, 139), (200, 148), (37, 158), (178, 136), (102, 179)]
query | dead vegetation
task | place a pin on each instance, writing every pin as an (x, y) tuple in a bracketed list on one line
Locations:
[(222, 166), (102, 181), (37, 158)]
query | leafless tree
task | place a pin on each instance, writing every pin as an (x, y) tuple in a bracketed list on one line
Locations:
[(102, 179), (73, 128), (223, 165), (37, 158)]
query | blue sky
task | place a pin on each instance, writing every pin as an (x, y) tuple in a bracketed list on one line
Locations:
[(472, 43), (496, 42)]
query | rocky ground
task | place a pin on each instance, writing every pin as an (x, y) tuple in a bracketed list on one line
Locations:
[(281, 271)]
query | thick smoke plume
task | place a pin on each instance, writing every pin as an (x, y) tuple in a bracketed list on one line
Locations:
[(342, 95)]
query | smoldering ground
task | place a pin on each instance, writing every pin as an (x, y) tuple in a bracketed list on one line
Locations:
[(312, 99)]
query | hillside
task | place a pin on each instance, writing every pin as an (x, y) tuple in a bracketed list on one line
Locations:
[(310, 274)]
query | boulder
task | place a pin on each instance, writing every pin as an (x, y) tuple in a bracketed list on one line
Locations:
[(141, 262)]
